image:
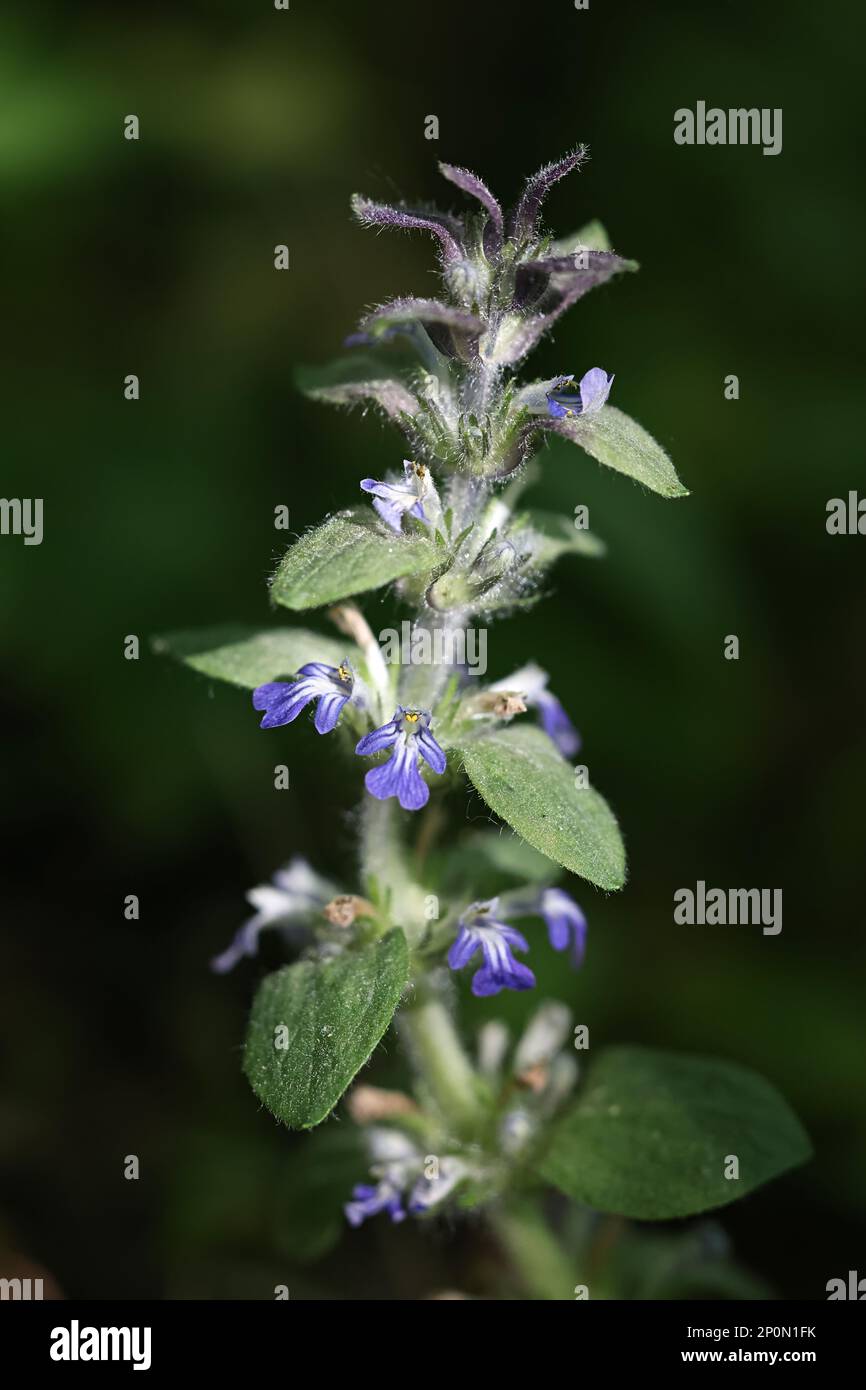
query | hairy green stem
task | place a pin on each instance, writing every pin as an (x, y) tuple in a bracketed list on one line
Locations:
[(542, 1265), (439, 1059), (384, 865)]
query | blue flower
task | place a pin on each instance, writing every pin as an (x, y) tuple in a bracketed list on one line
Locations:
[(531, 682), (369, 1201), (587, 399), (282, 701), (393, 501), (408, 733), (565, 921), (294, 895), (480, 929)]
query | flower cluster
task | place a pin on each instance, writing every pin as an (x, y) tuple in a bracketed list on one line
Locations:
[(532, 1078), (300, 900), (408, 734)]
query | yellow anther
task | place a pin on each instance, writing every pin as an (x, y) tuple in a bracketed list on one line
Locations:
[(411, 716)]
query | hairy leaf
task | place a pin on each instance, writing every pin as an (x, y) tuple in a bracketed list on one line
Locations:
[(522, 777), (621, 443), (362, 377), (652, 1133), (348, 554), (316, 1023), (549, 536), (248, 657), (593, 236), (426, 311)]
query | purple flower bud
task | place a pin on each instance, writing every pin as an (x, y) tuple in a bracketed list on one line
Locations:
[(408, 734)]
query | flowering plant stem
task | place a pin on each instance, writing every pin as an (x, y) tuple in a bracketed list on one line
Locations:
[(544, 1269), (451, 534), (439, 1059)]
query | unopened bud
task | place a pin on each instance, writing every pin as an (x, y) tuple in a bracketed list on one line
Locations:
[(367, 1104), (342, 911)]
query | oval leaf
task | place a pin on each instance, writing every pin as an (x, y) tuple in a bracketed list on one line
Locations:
[(550, 536), (359, 378), (651, 1133), (523, 778), (347, 555), (248, 657), (316, 1023), (621, 443)]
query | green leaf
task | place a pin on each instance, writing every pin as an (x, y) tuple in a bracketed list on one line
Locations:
[(346, 555), (316, 1023), (362, 377), (621, 443), (522, 777), (650, 1134), (248, 657), (593, 236), (553, 535)]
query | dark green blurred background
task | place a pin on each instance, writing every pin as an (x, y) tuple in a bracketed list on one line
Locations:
[(156, 258)]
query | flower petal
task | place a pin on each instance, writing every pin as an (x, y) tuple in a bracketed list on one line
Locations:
[(463, 948), (557, 725), (516, 976), (328, 711), (283, 701), (243, 943), (319, 668), (430, 751), (594, 390), (399, 777), (378, 739)]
